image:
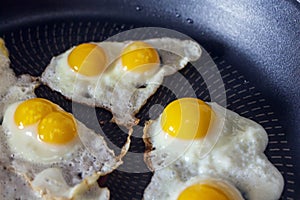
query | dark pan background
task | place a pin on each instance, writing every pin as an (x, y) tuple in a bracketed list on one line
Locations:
[(255, 44)]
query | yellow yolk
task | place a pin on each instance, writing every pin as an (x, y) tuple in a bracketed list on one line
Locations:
[(31, 111), (54, 126), (87, 59), (187, 118), (3, 49), (139, 57), (203, 191), (57, 128)]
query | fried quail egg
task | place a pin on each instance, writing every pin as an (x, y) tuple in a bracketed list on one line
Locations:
[(118, 76), (207, 188), (193, 140), (38, 135)]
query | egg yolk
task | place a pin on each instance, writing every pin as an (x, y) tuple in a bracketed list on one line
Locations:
[(203, 191), (57, 128), (3, 49), (31, 111), (187, 118), (54, 126), (139, 57), (87, 59)]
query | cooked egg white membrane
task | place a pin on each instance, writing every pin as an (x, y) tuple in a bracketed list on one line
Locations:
[(122, 93), (21, 89), (7, 76), (51, 182), (12, 185), (237, 157), (89, 158)]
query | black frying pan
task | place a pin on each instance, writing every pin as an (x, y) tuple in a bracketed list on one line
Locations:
[(255, 44)]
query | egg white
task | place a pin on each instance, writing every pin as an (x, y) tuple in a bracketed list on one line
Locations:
[(235, 154), (7, 75), (21, 89), (51, 182), (14, 186), (122, 92)]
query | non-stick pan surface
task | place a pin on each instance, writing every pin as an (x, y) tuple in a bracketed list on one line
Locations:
[(255, 45)]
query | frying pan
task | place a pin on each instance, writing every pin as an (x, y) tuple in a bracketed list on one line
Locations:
[(254, 44)]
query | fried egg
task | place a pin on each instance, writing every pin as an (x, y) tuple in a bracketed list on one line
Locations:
[(118, 76), (38, 135), (194, 143)]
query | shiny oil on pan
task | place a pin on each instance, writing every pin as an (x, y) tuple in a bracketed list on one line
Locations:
[(33, 45)]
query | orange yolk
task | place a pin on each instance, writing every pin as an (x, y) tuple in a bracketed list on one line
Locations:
[(187, 118), (87, 59), (139, 57), (203, 191), (54, 126)]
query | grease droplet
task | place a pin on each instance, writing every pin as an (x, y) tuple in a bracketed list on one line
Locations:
[(189, 20), (138, 8), (177, 15)]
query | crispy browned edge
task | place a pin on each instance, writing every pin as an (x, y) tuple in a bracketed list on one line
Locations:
[(128, 126), (118, 158), (126, 145), (148, 146)]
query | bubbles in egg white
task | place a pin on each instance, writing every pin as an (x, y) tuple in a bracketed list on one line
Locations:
[(88, 156), (236, 156), (12, 185), (122, 92)]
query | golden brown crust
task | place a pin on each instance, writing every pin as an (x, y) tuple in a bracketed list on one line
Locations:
[(148, 145), (128, 126), (126, 145)]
